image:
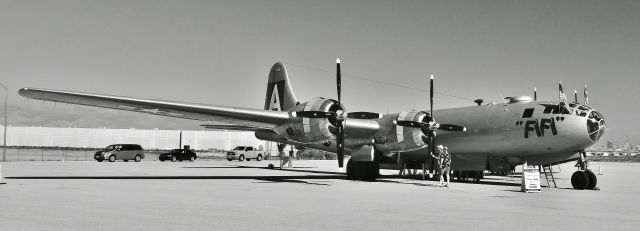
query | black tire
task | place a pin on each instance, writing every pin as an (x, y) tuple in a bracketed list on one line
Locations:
[(100, 160), (579, 180), (112, 158), (229, 159), (161, 160), (270, 166), (125, 160), (138, 158), (173, 159), (372, 170), (259, 158), (192, 158), (350, 171), (241, 158), (593, 179)]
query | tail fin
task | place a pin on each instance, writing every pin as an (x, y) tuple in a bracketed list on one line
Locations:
[(279, 97)]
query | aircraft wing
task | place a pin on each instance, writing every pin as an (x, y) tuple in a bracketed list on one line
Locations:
[(229, 127), (243, 118)]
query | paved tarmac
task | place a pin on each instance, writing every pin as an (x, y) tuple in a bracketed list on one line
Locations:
[(220, 195)]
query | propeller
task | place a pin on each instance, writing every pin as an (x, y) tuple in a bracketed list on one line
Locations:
[(429, 128), (337, 117)]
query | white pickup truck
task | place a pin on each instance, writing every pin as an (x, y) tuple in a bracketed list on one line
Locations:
[(242, 153)]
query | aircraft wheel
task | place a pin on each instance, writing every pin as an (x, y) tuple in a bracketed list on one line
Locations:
[(112, 158), (138, 158), (241, 158), (350, 171), (125, 160), (579, 180), (259, 158), (593, 180), (270, 166), (362, 170), (173, 159), (100, 160), (372, 171), (229, 159)]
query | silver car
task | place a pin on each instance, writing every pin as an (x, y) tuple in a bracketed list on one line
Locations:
[(123, 152)]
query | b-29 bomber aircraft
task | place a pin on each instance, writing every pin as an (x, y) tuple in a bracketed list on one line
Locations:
[(494, 137)]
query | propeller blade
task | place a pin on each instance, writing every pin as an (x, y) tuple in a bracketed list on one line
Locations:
[(431, 97), (314, 114), (408, 123), (363, 115), (452, 127), (340, 145), (338, 80)]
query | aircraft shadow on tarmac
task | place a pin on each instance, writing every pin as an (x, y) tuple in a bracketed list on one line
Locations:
[(294, 169), (268, 179)]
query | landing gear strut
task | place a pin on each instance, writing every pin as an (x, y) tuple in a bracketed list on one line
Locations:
[(362, 170), (583, 178)]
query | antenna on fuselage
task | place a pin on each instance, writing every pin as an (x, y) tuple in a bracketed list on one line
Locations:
[(586, 98)]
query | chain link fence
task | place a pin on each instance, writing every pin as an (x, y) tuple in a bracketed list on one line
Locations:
[(75, 154)]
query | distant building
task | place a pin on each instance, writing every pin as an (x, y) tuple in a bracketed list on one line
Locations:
[(610, 145), (149, 139)]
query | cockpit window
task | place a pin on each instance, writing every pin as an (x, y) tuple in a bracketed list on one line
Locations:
[(595, 125), (527, 113)]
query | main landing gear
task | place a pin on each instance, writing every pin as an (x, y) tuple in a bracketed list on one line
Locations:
[(362, 170), (583, 178)]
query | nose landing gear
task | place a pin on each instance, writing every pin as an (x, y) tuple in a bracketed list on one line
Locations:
[(583, 178)]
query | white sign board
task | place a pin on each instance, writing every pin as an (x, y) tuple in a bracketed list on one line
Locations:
[(530, 178), (1, 180)]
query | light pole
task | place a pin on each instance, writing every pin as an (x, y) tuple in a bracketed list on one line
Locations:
[(6, 98)]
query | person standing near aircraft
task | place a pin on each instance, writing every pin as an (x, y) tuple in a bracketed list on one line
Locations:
[(438, 157), (445, 165)]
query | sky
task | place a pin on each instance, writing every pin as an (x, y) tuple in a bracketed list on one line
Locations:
[(220, 52)]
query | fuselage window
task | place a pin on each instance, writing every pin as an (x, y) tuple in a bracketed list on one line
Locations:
[(527, 113)]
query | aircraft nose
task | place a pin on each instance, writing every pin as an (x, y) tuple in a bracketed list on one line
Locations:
[(595, 125)]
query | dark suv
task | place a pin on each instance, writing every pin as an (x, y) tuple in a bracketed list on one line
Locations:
[(123, 152)]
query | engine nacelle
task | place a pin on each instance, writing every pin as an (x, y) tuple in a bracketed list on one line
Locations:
[(409, 138), (310, 129)]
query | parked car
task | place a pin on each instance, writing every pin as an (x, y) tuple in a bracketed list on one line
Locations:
[(178, 154), (242, 153), (123, 152)]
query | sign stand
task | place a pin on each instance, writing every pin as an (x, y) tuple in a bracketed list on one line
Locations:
[(530, 179), (1, 179)]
